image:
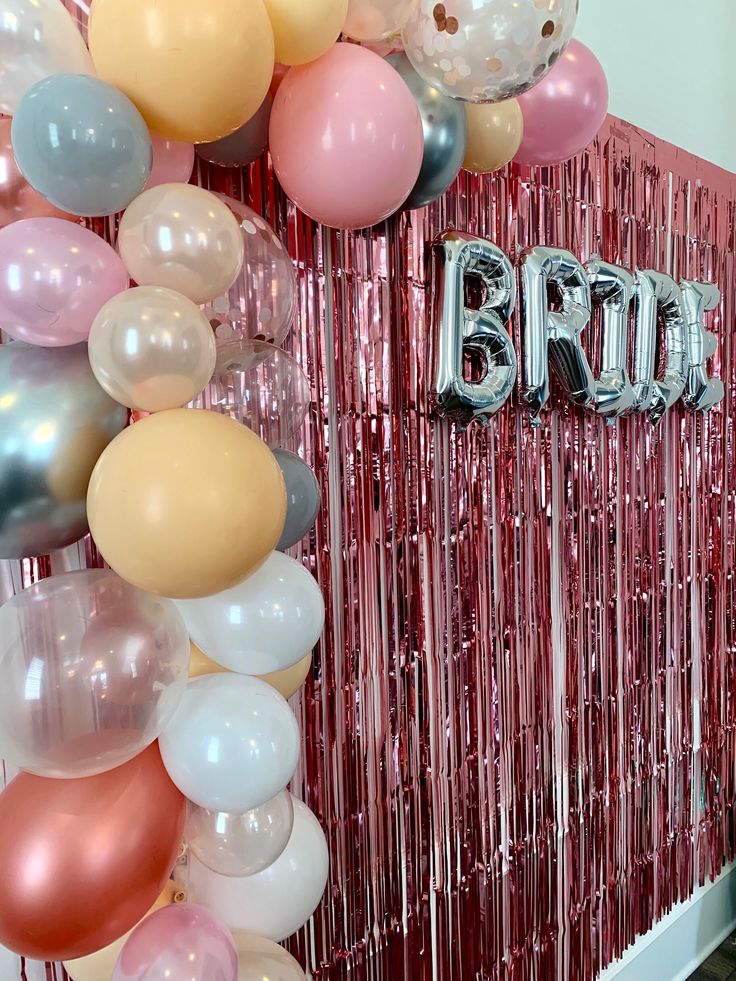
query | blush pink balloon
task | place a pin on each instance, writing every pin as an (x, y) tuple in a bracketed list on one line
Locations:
[(173, 162), (54, 279), (563, 112), (346, 137), (178, 942)]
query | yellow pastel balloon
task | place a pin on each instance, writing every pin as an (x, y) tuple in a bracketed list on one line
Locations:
[(99, 966), (290, 680), (186, 503), (304, 29), (196, 70), (495, 130)]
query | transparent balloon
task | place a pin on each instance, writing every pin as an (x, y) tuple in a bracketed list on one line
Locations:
[(487, 50), (261, 386), (241, 844), (91, 670), (374, 20), (262, 301)]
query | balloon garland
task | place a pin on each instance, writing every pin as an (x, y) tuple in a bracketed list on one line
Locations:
[(145, 703)]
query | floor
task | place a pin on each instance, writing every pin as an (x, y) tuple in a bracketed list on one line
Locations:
[(721, 965)]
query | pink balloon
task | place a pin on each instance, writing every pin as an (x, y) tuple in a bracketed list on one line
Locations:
[(346, 137), (54, 279), (178, 942), (173, 162), (563, 112)]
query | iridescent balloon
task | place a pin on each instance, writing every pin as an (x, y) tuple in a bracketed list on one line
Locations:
[(55, 421), (302, 498)]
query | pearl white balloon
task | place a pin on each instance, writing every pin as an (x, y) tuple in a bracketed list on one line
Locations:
[(266, 623), (260, 958), (232, 744), (278, 901)]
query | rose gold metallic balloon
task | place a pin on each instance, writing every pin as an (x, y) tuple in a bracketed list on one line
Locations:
[(17, 197), (83, 860)]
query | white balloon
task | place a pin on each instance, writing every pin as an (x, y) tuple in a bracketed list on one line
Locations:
[(278, 901), (38, 38), (260, 958), (232, 744), (266, 623)]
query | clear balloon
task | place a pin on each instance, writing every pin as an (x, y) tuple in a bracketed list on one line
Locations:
[(241, 844), (151, 348), (278, 901), (261, 958), (184, 238), (186, 503), (265, 623), (304, 31), (303, 498), (54, 278), (182, 942), (55, 421), (18, 200), (260, 386), (374, 20), (495, 131), (82, 145), (244, 145), (173, 162), (232, 744), (487, 50), (38, 38), (262, 301), (91, 670)]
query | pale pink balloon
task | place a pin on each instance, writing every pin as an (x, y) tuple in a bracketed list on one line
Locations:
[(346, 137), (563, 112), (54, 279), (173, 162)]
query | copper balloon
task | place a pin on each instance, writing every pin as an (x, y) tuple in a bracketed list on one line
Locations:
[(17, 197), (83, 860)]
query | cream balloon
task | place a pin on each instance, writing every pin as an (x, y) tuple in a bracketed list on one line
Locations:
[(260, 958), (302, 31), (287, 682), (495, 131), (151, 348), (184, 238)]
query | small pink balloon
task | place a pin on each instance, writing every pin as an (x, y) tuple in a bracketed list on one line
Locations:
[(178, 942), (173, 162), (346, 137), (54, 279), (563, 112)]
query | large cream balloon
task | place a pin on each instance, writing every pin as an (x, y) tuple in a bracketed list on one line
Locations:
[(260, 959), (304, 29), (196, 70), (186, 503)]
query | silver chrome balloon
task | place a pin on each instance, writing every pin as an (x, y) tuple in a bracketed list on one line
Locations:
[(702, 392), (445, 135), (657, 292), (55, 421), (459, 330), (303, 498), (613, 288)]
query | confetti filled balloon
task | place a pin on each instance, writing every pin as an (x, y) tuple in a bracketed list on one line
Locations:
[(487, 50)]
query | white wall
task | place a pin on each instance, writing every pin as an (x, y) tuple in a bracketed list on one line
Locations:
[(671, 67)]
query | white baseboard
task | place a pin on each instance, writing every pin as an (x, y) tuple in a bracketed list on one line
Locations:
[(680, 942)]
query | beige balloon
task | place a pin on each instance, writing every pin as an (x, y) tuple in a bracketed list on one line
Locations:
[(304, 29), (287, 682), (495, 131), (151, 348), (184, 238), (260, 959), (200, 664), (99, 966)]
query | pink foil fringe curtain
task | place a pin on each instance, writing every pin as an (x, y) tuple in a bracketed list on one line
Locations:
[(519, 731)]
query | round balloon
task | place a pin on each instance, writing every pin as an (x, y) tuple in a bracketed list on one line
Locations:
[(200, 664), (374, 20), (182, 941), (260, 958), (196, 71), (18, 200), (262, 301), (290, 680), (91, 670), (151, 349), (38, 38), (82, 144), (55, 421), (186, 503), (173, 162), (487, 50), (445, 135), (367, 167), (84, 859), (54, 278), (495, 130), (303, 498), (278, 901), (184, 238), (304, 31), (233, 743), (244, 145), (241, 844)]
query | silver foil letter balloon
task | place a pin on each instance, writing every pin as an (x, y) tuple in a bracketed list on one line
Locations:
[(460, 330), (658, 293), (612, 287), (701, 391)]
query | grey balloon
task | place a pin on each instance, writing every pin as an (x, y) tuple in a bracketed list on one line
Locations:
[(445, 135), (55, 421), (244, 145), (82, 144), (302, 498)]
